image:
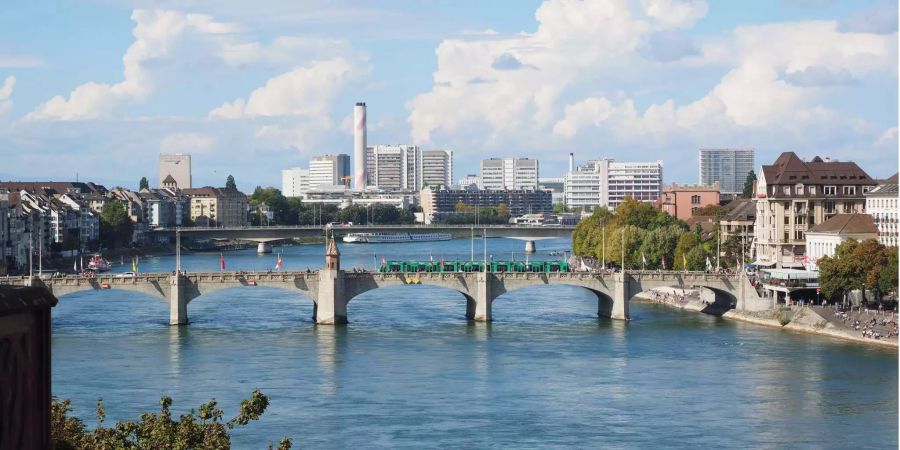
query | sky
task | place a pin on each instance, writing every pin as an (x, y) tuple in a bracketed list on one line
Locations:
[(97, 89)]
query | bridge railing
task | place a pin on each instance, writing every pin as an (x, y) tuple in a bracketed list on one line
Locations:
[(365, 226)]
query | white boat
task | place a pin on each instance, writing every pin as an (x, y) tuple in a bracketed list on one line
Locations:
[(380, 238), (98, 264)]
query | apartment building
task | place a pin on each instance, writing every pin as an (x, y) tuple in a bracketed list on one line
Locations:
[(793, 196), (392, 167), (822, 240), (294, 182), (436, 168), (881, 204), (328, 170), (509, 173), (728, 167), (217, 207), (437, 203), (606, 182)]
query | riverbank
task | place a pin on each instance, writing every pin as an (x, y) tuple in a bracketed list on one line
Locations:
[(801, 319)]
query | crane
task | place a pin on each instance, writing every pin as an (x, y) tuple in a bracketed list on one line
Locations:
[(346, 181)]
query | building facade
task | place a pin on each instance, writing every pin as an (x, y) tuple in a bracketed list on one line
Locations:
[(294, 182), (178, 166), (606, 182), (392, 167), (509, 173), (211, 207), (727, 166), (437, 203), (881, 204), (468, 181), (681, 201), (822, 239), (793, 196), (329, 170), (436, 168)]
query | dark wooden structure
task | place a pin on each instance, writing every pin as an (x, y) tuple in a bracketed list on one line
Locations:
[(25, 367)]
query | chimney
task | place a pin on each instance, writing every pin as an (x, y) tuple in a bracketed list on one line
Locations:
[(359, 146), (571, 162)]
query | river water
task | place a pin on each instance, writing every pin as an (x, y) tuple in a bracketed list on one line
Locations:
[(410, 371)]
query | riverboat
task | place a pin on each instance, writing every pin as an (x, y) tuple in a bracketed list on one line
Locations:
[(474, 266), (382, 238), (98, 264)]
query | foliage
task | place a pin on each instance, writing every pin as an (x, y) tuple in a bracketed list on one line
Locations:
[(709, 211), (858, 265), (292, 211), (205, 430), (748, 184), (115, 226), (143, 184), (559, 208), (230, 184)]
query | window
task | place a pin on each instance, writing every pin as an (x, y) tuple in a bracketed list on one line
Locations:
[(830, 190), (812, 190), (798, 189), (787, 190), (829, 207), (695, 199), (866, 189), (849, 190)]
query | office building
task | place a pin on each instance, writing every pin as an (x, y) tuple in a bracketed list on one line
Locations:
[(392, 167), (509, 173), (729, 167), (556, 186), (793, 196), (294, 182), (470, 180), (682, 201), (606, 182), (881, 204), (329, 170), (178, 166), (436, 168)]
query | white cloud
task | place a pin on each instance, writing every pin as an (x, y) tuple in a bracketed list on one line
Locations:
[(185, 143), (674, 13), (888, 139), (20, 62), (6, 90)]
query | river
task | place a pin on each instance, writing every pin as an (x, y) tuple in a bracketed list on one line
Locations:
[(410, 371)]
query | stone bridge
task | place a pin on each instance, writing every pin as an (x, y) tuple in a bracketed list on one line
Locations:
[(332, 290)]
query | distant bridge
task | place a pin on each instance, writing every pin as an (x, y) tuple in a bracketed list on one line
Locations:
[(332, 290)]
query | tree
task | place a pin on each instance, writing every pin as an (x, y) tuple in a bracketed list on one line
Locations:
[(196, 431), (635, 213), (887, 279), (836, 276), (143, 184), (230, 184), (503, 211), (708, 211), (748, 184), (115, 225)]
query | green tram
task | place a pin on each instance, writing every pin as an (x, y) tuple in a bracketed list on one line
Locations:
[(474, 266)]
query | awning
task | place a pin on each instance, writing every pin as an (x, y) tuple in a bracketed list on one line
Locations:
[(763, 263)]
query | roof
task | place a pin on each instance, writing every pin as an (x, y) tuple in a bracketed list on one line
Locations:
[(332, 249), (884, 190), (790, 169), (56, 187), (846, 224), (209, 191), (169, 180), (740, 209)]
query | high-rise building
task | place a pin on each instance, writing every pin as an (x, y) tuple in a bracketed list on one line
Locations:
[(606, 182), (469, 180), (392, 167), (436, 168), (328, 170), (509, 173), (792, 196), (727, 166), (294, 182), (178, 166)]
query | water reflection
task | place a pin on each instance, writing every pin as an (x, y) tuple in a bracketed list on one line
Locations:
[(327, 357)]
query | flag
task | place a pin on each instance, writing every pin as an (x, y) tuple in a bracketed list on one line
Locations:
[(279, 263), (708, 264), (383, 262), (664, 262), (643, 259), (75, 267), (222, 260), (134, 265), (684, 260)]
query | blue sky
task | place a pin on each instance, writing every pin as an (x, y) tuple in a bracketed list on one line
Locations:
[(100, 88)]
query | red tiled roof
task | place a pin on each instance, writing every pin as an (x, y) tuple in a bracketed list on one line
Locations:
[(846, 224)]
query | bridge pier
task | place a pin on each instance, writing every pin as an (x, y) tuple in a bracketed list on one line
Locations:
[(177, 301), (263, 247), (621, 296), (478, 306), (331, 301), (530, 247)]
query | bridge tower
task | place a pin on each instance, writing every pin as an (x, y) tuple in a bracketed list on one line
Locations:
[(331, 301)]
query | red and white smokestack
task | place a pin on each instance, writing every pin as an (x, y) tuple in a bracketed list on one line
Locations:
[(359, 146)]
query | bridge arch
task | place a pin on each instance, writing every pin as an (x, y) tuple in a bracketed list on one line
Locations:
[(604, 305), (253, 304), (158, 289)]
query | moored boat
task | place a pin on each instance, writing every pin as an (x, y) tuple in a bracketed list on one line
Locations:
[(380, 238)]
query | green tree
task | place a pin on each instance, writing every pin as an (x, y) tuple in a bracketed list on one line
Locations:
[(635, 213), (887, 279), (836, 273), (230, 184), (687, 242), (748, 184), (143, 184), (115, 226), (503, 211), (205, 430)]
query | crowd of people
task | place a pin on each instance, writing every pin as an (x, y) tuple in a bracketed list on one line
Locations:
[(871, 324)]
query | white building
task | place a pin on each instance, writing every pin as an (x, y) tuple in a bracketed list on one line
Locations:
[(881, 204), (328, 170), (178, 166), (606, 182), (392, 167), (822, 239), (509, 174), (727, 166), (294, 182), (469, 180), (435, 168)]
